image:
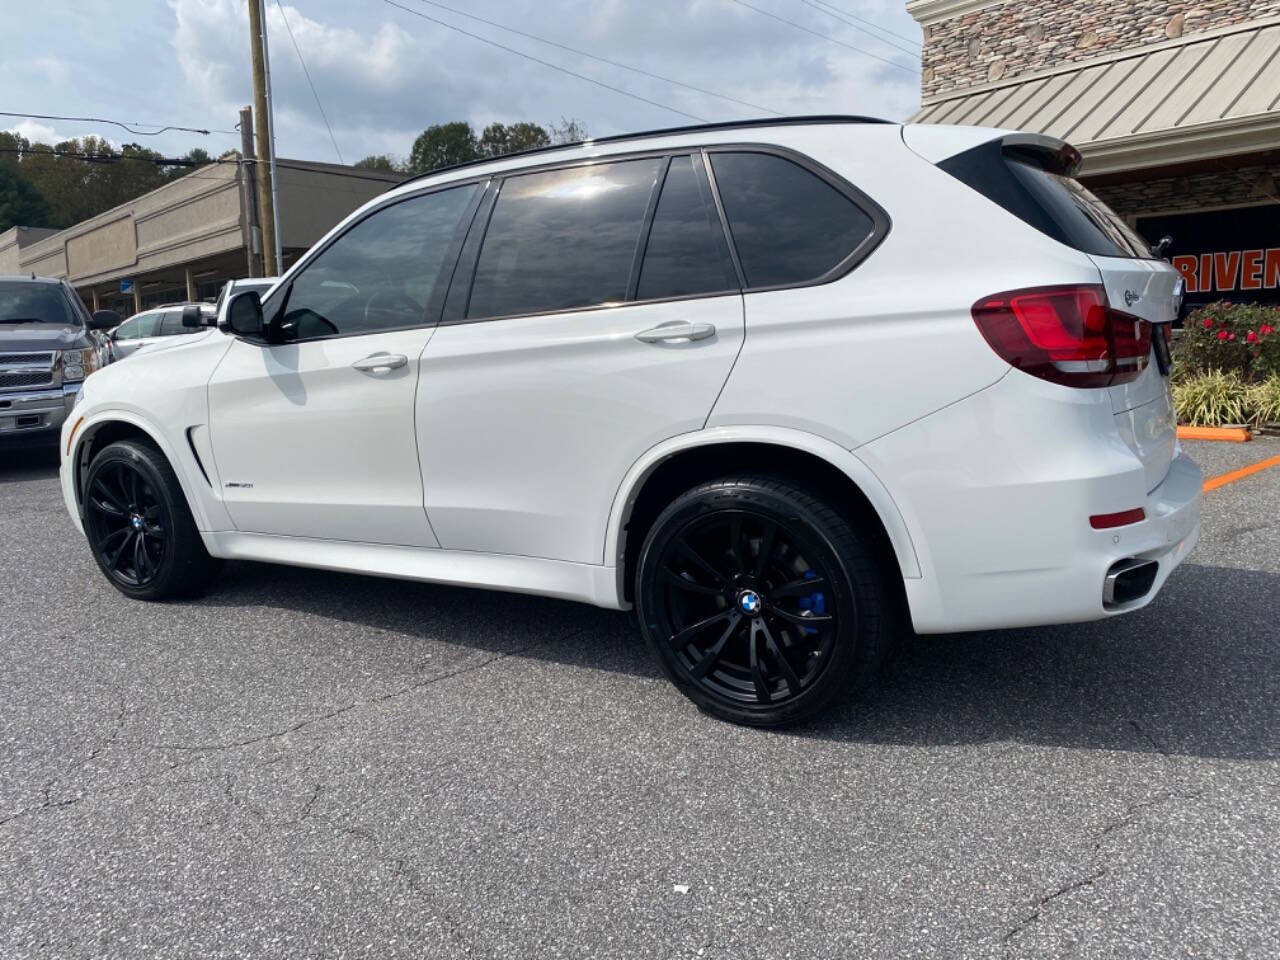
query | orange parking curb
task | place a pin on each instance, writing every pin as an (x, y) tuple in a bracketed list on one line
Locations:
[(1213, 483), (1225, 434)]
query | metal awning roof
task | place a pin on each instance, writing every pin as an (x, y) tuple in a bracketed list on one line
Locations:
[(1209, 95)]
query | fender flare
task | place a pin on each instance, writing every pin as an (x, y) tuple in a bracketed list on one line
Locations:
[(207, 510), (843, 460)]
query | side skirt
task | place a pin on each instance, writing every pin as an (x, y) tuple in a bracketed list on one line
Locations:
[(586, 583)]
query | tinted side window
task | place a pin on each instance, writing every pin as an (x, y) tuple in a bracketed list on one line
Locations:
[(563, 239), (142, 325), (687, 253), (788, 225), (171, 323), (380, 274)]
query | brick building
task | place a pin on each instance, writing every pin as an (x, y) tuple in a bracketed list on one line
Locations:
[(1175, 106)]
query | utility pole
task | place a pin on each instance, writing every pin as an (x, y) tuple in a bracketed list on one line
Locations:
[(271, 135), (265, 178), (253, 238)]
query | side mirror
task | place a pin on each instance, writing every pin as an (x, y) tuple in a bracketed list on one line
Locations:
[(105, 320), (191, 318), (244, 315), (1159, 249)]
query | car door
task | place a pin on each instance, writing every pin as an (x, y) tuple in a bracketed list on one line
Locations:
[(313, 435), (601, 315)]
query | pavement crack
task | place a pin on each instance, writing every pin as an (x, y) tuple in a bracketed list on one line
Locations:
[(1156, 745), (1044, 901), (1133, 813), (348, 707), (121, 716), (47, 801)]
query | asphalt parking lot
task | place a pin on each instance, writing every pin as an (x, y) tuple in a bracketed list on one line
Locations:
[(307, 764)]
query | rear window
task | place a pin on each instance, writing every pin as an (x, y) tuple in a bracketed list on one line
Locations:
[(1053, 203)]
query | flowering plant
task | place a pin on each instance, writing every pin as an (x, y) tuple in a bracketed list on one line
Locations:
[(1243, 338)]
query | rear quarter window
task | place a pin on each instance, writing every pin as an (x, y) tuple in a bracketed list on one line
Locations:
[(788, 224)]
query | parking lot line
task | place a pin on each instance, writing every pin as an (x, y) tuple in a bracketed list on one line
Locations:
[(1213, 483)]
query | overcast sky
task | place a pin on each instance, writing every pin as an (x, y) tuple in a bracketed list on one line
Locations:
[(384, 74)]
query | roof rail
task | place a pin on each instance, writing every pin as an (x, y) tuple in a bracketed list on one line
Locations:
[(661, 132)]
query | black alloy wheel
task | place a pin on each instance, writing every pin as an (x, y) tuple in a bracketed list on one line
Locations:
[(760, 602), (128, 525), (140, 527)]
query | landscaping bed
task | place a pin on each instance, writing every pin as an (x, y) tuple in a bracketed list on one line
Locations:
[(1226, 370)]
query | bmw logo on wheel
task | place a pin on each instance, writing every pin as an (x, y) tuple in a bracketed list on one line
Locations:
[(749, 602)]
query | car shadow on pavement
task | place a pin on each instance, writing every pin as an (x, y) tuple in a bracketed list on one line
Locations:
[(1194, 674), (38, 463)]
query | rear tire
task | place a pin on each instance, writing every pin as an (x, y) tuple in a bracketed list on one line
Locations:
[(139, 526), (761, 602)]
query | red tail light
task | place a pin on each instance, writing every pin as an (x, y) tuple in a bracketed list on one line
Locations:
[(1068, 335)]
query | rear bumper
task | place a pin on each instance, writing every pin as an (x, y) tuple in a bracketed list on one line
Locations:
[(34, 418), (1070, 587), (997, 492)]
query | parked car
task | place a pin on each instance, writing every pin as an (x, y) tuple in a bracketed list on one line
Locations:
[(773, 384), (152, 326), (49, 343)]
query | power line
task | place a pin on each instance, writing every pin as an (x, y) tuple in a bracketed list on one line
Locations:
[(792, 23), (117, 123), (612, 63), (869, 23), (845, 20), (307, 73), (545, 63)]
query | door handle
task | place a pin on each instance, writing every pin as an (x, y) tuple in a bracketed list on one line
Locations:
[(677, 331), (381, 362)]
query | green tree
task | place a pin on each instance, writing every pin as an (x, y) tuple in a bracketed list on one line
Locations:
[(443, 145), (20, 203), (380, 161), (198, 156), (498, 139), (11, 147)]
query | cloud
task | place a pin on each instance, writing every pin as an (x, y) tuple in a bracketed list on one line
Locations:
[(37, 132), (384, 74)]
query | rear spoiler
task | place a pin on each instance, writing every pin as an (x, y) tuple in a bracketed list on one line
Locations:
[(1049, 153), (938, 142)]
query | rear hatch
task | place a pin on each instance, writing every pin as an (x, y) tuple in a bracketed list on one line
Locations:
[(1031, 176), (1150, 290)]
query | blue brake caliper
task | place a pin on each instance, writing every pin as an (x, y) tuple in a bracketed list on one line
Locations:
[(815, 603)]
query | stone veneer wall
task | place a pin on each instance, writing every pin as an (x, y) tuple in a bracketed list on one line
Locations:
[(1022, 36), (1218, 188)]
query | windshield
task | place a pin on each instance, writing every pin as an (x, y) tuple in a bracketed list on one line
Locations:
[(22, 302)]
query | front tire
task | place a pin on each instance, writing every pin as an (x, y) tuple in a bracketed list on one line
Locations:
[(761, 602), (139, 526)]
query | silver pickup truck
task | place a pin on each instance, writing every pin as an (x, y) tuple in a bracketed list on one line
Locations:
[(49, 343)]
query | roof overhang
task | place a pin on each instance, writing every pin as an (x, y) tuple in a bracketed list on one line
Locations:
[(1212, 95), (927, 12)]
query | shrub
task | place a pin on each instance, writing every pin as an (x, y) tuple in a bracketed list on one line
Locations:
[(1244, 338), (1263, 401), (1211, 399)]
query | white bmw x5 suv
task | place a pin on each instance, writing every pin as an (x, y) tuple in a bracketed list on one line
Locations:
[(772, 384)]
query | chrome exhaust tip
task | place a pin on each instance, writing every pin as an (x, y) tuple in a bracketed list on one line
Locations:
[(1128, 580)]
